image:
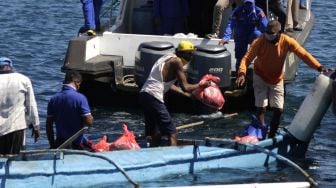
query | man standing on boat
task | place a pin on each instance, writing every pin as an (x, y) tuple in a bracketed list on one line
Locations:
[(91, 11), (247, 22), (292, 22), (70, 112), (219, 8), (269, 52), (165, 72), (18, 109)]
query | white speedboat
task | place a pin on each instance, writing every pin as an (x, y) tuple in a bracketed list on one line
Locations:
[(121, 57)]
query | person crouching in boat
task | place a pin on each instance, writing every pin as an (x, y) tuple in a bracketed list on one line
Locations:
[(270, 51), (165, 72), (70, 112)]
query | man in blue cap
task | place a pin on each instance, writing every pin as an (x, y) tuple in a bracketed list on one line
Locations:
[(247, 22), (18, 109)]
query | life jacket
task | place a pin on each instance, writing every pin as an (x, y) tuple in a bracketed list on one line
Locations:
[(247, 16)]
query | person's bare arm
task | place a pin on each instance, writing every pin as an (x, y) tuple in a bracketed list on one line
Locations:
[(179, 91), (181, 77), (88, 120), (50, 130)]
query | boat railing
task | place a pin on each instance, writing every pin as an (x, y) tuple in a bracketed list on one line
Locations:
[(268, 152), (308, 15), (62, 152)]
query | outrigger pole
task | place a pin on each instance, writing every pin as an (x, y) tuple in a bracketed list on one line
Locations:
[(268, 153)]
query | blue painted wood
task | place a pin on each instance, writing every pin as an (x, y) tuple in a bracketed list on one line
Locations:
[(81, 168)]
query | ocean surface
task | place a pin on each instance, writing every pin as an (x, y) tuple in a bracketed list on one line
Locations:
[(35, 34)]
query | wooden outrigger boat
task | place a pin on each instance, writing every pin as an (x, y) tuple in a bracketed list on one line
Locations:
[(73, 168)]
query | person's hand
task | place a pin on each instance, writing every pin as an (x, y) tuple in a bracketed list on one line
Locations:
[(240, 80), (322, 69), (187, 94), (36, 134), (222, 42), (204, 84)]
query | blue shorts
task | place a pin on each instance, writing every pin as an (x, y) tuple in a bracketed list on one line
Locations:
[(157, 117)]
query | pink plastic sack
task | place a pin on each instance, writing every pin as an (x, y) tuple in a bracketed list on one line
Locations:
[(247, 139), (102, 145), (125, 142), (212, 95)]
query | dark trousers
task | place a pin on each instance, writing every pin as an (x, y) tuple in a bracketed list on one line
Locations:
[(11, 143), (157, 117)]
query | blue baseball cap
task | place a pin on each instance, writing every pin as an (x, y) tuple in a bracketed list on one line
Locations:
[(5, 61)]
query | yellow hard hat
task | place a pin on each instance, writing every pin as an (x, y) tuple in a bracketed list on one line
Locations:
[(185, 45)]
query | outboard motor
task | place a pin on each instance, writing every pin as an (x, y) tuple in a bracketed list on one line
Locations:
[(312, 109), (210, 59), (149, 53)]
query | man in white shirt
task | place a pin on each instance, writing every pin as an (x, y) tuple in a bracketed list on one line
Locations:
[(18, 108)]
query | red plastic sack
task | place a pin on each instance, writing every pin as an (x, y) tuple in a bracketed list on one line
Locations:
[(247, 139), (212, 95), (102, 145), (125, 141)]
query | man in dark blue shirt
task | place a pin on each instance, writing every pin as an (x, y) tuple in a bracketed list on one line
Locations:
[(70, 111)]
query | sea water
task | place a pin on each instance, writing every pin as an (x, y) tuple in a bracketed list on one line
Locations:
[(35, 35)]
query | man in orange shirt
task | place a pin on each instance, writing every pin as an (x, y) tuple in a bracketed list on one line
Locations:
[(270, 51)]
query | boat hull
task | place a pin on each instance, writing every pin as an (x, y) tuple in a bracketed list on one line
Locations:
[(69, 168)]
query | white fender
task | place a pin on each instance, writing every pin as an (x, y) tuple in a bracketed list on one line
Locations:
[(312, 109)]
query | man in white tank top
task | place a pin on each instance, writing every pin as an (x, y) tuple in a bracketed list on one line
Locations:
[(165, 72)]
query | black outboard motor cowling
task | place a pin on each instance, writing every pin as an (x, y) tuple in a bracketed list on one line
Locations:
[(210, 59), (149, 53)]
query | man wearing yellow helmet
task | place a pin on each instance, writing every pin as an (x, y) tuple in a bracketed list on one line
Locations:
[(185, 51), (165, 72)]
